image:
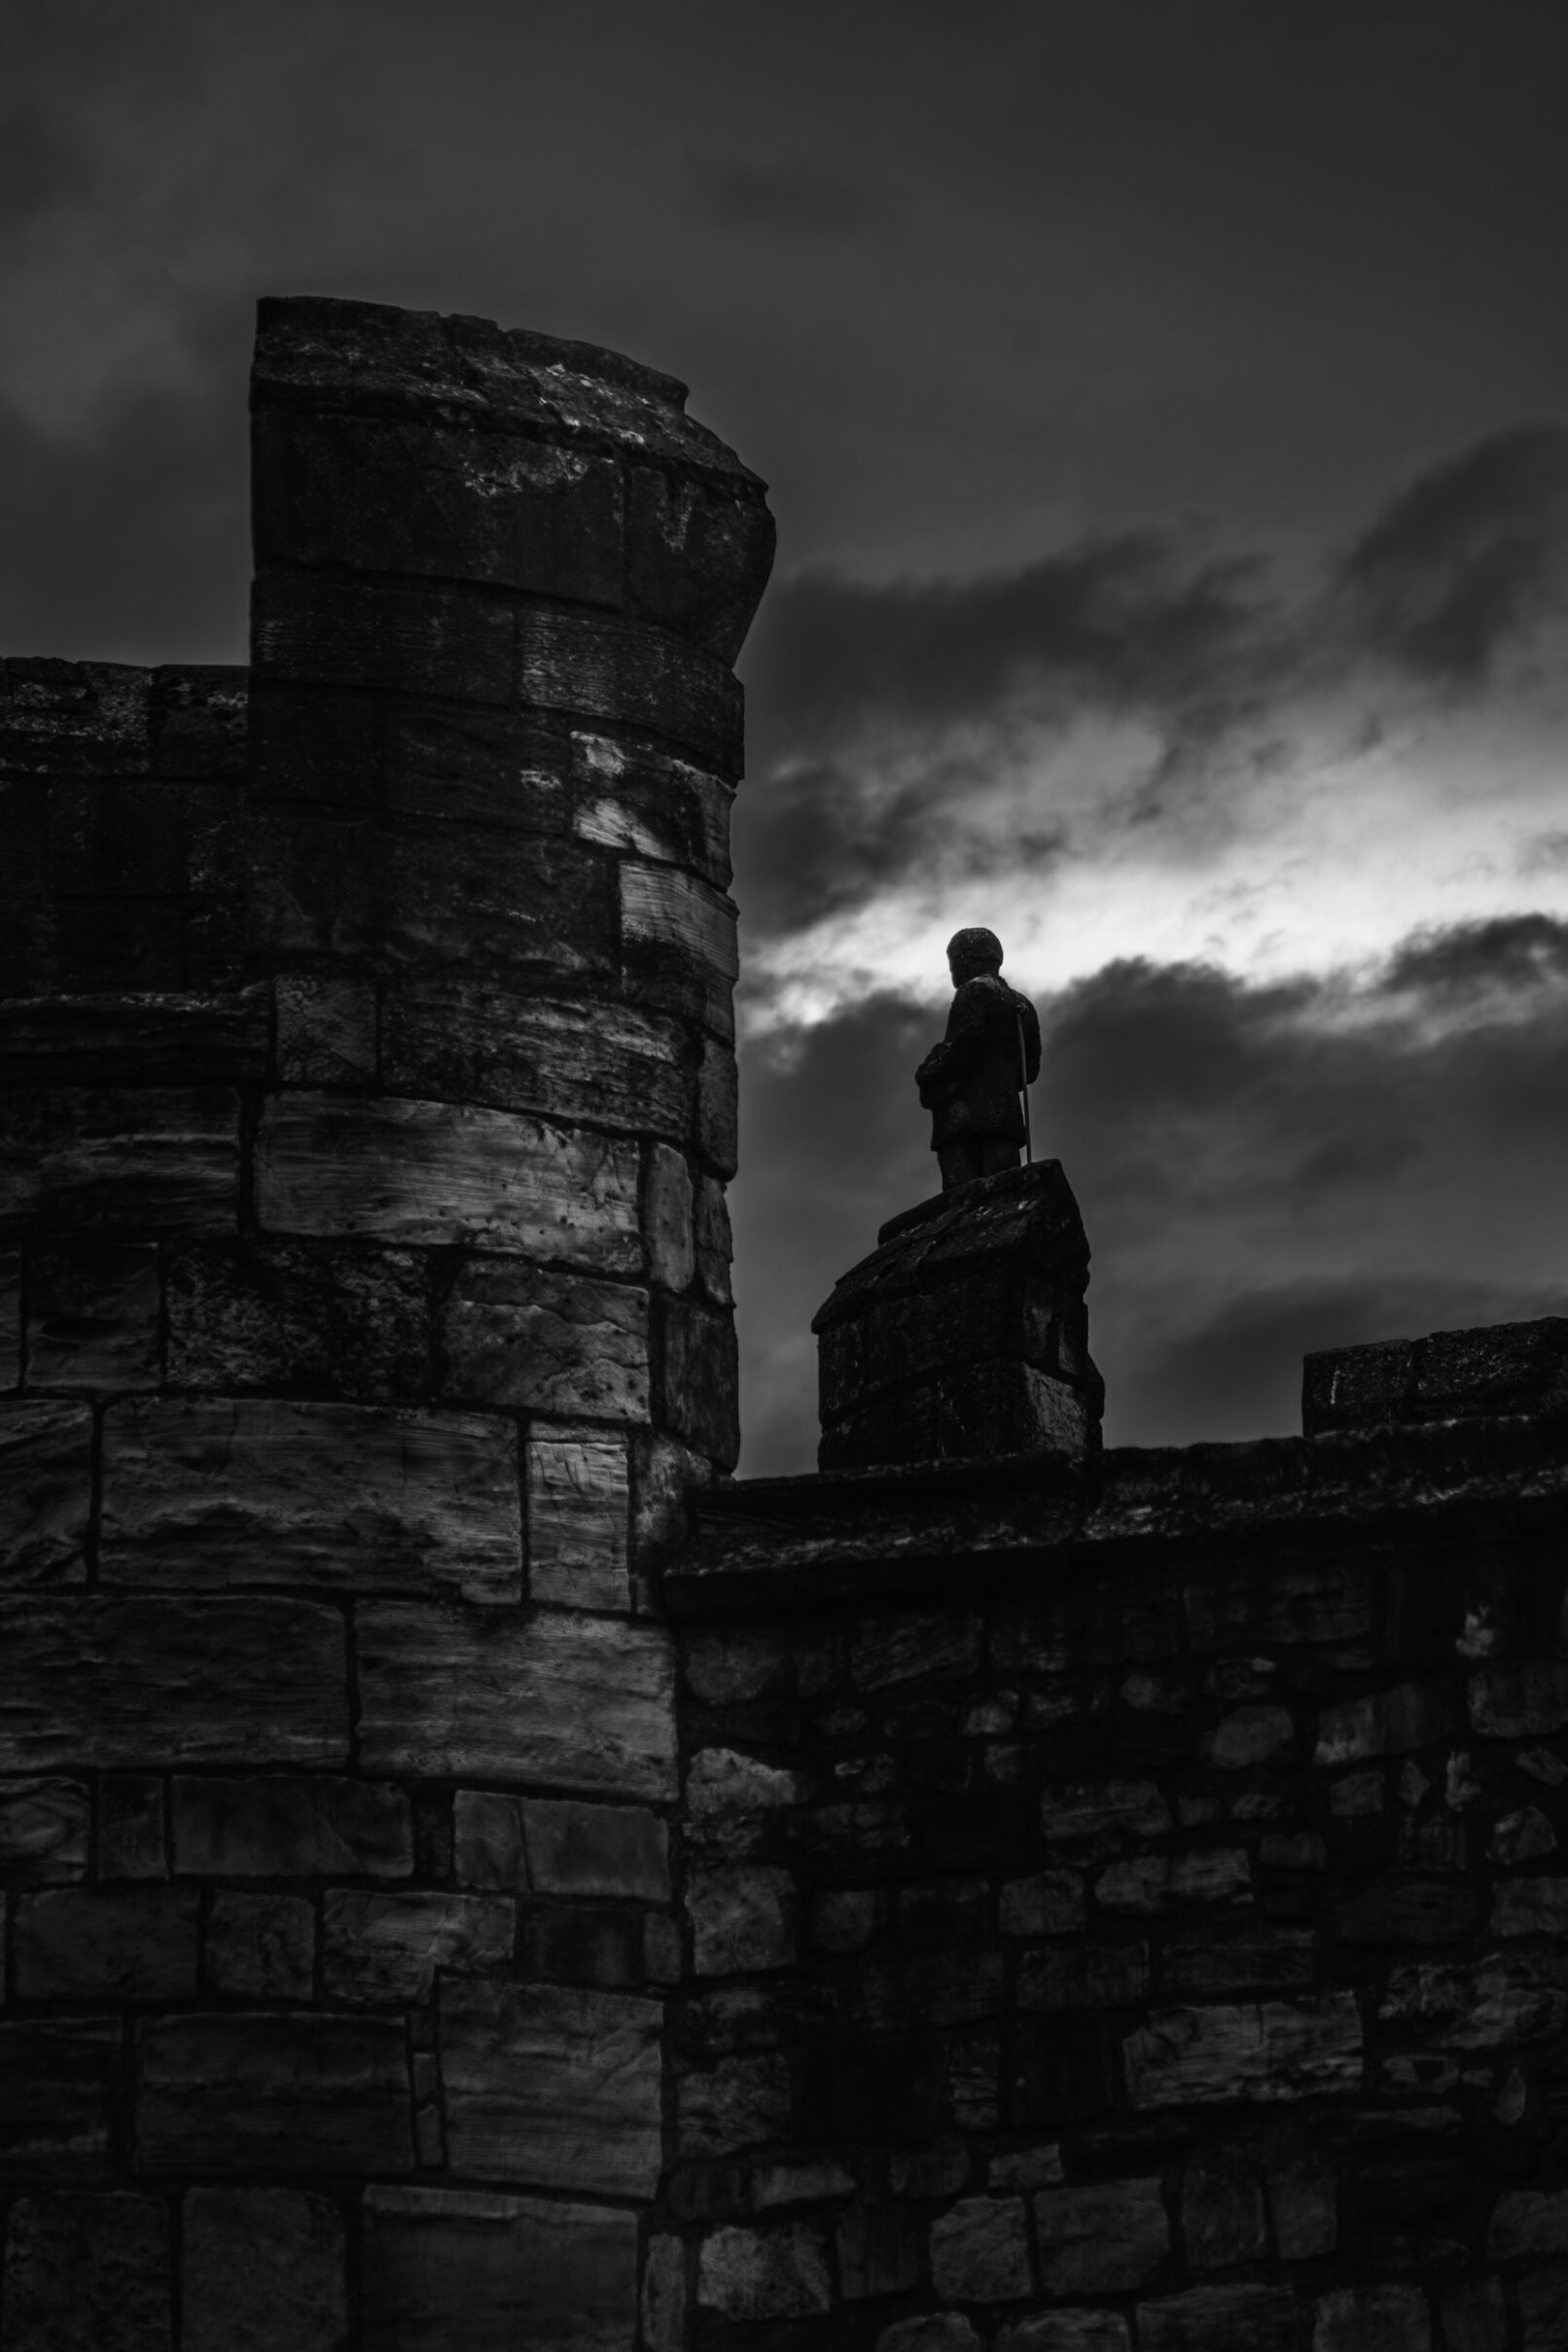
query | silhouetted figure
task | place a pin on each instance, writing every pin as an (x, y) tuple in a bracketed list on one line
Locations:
[(971, 1081)]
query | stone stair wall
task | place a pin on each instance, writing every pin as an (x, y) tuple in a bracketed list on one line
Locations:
[(368, 1099)]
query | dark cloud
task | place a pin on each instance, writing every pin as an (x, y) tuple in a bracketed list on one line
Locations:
[(799, 198), (1261, 1170), (39, 166), (1461, 562)]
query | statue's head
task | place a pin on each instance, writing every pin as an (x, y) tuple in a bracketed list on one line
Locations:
[(972, 953)]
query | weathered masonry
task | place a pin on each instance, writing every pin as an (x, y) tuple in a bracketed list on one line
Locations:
[(473, 1881)]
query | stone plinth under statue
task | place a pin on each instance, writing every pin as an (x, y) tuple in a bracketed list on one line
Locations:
[(963, 1336)]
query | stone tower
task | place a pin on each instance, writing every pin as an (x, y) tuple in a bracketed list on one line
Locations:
[(370, 1100)]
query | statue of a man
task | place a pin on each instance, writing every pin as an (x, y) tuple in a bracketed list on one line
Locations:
[(971, 1081)]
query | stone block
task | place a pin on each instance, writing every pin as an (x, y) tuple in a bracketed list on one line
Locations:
[(419, 640), (701, 1378), (608, 1065), (1160, 1882), (678, 944), (1303, 2204), (1519, 1702), (582, 1943), (442, 1173), (1084, 1975), (1530, 1907), (1067, 2331), (57, 2078), (121, 1943), (388, 1947), (1542, 2301), (632, 799), (759, 2274), (1221, 2319), (938, 2332), (87, 2273), (133, 1038), (262, 2270), (215, 1491), (539, 1340), (1237, 1958), (1050, 1902), (557, 2087), (10, 1319), (1102, 2237), (1251, 1735), (698, 552), (92, 1317), (444, 2267), (1527, 2221), (488, 1849), (1406, 1911), (358, 494), (596, 1849), (293, 1825), (1385, 1722), (131, 1826), (1264, 1602), (1372, 2319), (1222, 2210), (732, 1798), (43, 1831), (879, 2248), (288, 2092), (261, 1947), (668, 1218), (103, 1680), (718, 1107), (45, 1492), (1267, 2052), (579, 1508), (1475, 2318), (572, 1701), (740, 2103), (743, 1919), (979, 2253), (326, 1029), (664, 2296), (1488, 2006), (341, 1321), (1501, 1368), (148, 1159), (1525, 1835), (599, 669), (1103, 1815)]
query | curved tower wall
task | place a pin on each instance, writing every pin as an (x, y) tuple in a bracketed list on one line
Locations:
[(369, 1106)]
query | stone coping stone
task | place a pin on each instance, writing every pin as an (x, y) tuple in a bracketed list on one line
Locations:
[(1027, 1215), (1497, 1367), (825, 1538)]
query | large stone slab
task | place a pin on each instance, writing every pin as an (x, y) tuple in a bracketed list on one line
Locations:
[(139, 1161), (579, 1508), (211, 1491), (290, 1826), (632, 798), (107, 1944), (92, 1317), (1223, 2319), (261, 1948), (45, 1492), (87, 2273), (540, 1340), (262, 2092), (388, 1947), (495, 2272), (678, 939), (56, 2075), (147, 1039), (262, 2270), (551, 2085), (609, 1065), (1486, 2006), (574, 1701), (340, 1320), (100, 1680), (446, 1172), (44, 1829), (1100, 2237), (1259, 2053)]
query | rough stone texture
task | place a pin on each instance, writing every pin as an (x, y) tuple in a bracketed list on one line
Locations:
[(1099, 2239), (1372, 2319), (602, 1849), (45, 1492), (291, 1826), (600, 1065), (126, 1944), (754, 2274), (579, 1703), (261, 1947), (42, 1830), (1268, 2052), (92, 1317), (979, 2253), (524, 1336), (102, 1680), (1502, 1368), (87, 2273), (258, 1492), (579, 1509), (99, 1162), (387, 1949), (493, 2272), (339, 1321), (55, 2075), (743, 1919), (292, 2092), (131, 1839), (447, 1172), (549, 2086), (262, 2269), (1220, 2319), (1067, 2331)]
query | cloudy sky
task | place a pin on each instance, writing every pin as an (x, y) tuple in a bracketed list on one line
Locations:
[(1164, 407)]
